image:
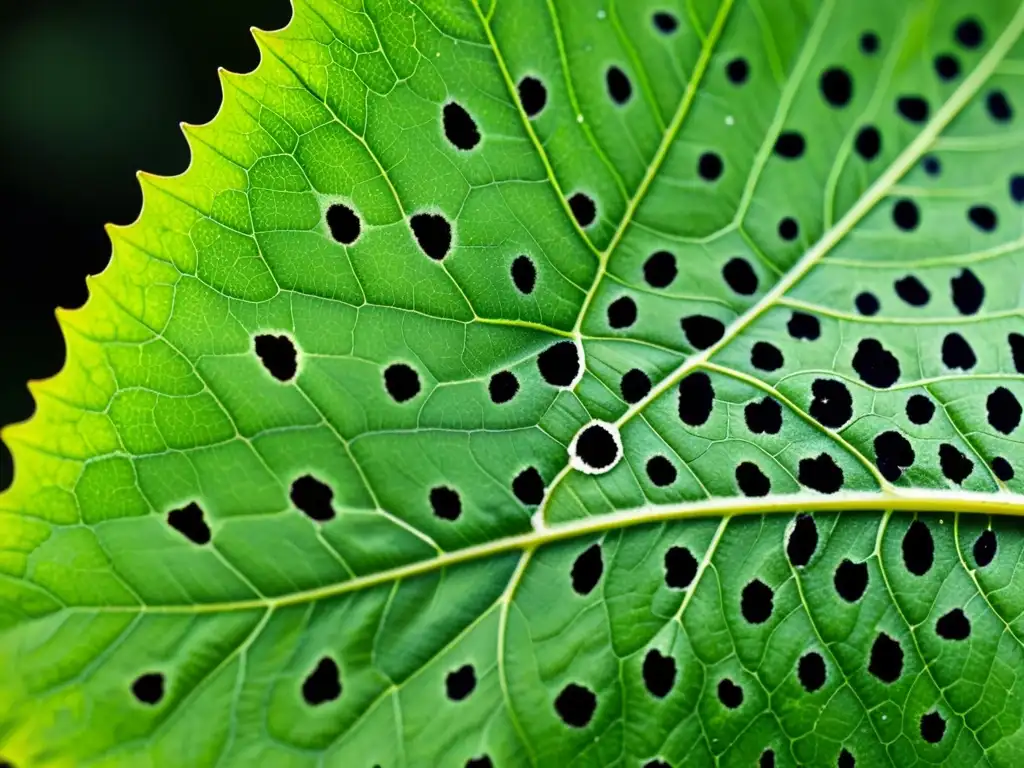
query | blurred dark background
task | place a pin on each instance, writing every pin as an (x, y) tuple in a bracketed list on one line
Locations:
[(91, 92)]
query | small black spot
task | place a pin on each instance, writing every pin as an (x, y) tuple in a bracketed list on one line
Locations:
[(953, 626), (149, 688), (751, 480), (702, 331), (665, 22), (765, 356), (947, 67), (680, 567), (587, 570), (737, 71), (278, 355), (821, 473), (445, 502), (190, 523), (532, 95), (931, 165), (524, 274), (876, 366), (803, 326), (763, 417), (811, 671), (790, 145), (803, 540), (998, 106), (740, 276), (984, 549), (401, 382), (619, 87), (957, 353), (1016, 342), (933, 727), (576, 705), (659, 673), (788, 229), (480, 762), (343, 223), (696, 399), (660, 269), (983, 217), (1002, 469), (459, 127), (559, 364), (313, 498), (323, 684), (920, 409), (846, 760), (867, 303), (433, 234), (918, 548), (661, 471), (868, 142), (1017, 188), (851, 580), (906, 215), (710, 166), (757, 602), (912, 291), (955, 465), (596, 447), (893, 454), (913, 108), (622, 312), (730, 694), (635, 386), (869, 42), (836, 86), (969, 33), (528, 487), (886, 659), (832, 404), (502, 387), (1003, 409), (460, 683), (767, 759), (583, 208)]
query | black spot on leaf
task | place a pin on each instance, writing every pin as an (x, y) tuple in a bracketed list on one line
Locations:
[(660, 471), (912, 291), (953, 625), (767, 357), (710, 166), (918, 548), (920, 409), (767, 759), (845, 760), (836, 86), (583, 208), (969, 33), (278, 355), (459, 127), (790, 145), (502, 387), (832, 403), (821, 473), (1016, 342), (868, 142), (323, 684), (1003, 409), (587, 570), (803, 326), (680, 567), (876, 366), (757, 602), (984, 549), (343, 223), (893, 454), (947, 67), (659, 673), (968, 292), (730, 694), (480, 762), (576, 705), (190, 523), (751, 480), (999, 106), (955, 465), (737, 70), (931, 165), (702, 331), (660, 269), (559, 364), (957, 353), (665, 22), (528, 487), (433, 234), (740, 276), (1017, 188), (811, 671), (524, 274), (313, 498), (149, 688), (913, 108), (648, 764), (622, 312), (803, 540), (460, 683), (933, 727), (445, 502), (867, 303), (1002, 469), (886, 659), (763, 417), (596, 447), (532, 95), (619, 87), (788, 229), (696, 398), (983, 217), (906, 215), (401, 382), (851, 580), (869, 43), (635, 385)]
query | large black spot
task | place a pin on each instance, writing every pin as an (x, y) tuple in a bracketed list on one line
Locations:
[(343, 223), (984, 549), (788, 229), (460, 683), (868, 142), (811, 671), (313, 498), (696, 399), (821, 473), (660, 269), (1004, 410), (999, 106), (757, 602), (969, 33), (957, 353), (1017, 188), (583, 208), (767, 357), (751, 480), (680, 567), (947, 67), (920, 409), (730, 694), (790, 145), (893, 454), (832, 404), (933, 727), (737, 70), (803, 540), (528, 487), (149, 688), (323, 684), (596, 447), (867, 303), (480, 762), (635, 385), (876, 366), (912, 291), (1016, 342), (710, 166), (851, 580), (1002, 469), (803, 326), (955, 465), (953, 625), (502, 387), (918, 548), (836, 86), (740, 276), (648, 764), (913, 108), (665, 22), (532, 95), (278, 355), (968, 292), (576, 705), (661, 471), (845, 760), (559, 364), (767, 759), (401, 382), (190, 523), (659, 673), (886, 659), (906, 215), (622, 312), (433, 233), (459, 127), (763, 417), (524, 274), (983, 217), (587, 570), (619, 87), (445, 502)]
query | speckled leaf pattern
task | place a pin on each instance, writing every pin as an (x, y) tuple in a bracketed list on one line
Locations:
[(548, 383)]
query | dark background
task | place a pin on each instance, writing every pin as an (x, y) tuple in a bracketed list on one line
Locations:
[(91, 92)]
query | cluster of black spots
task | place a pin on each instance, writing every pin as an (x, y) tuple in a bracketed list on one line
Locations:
[(836, 86), (906, 215), (502, 387), (587, 570), (659, 673), (1003, 409), (660, 471), (914, 109), (998, 106), (893, 454), (619, 87), (583, 208), (313, 498), (983, 217), (803, 326), (710, 166), (933, 727), (918, 548), (751, 480), (931, 165), (740, 276), (845, 759), (680, 567), (323, 684), (954, 464), (920, 409), (811, 671), (459, 127), (696, 399), (596, 447), (766, 356), (401, 382), (886, 659), (528, 487), (868, 142), (788, 229), (665, 22), (524, 274), (767, 759), (730, 694), (559, 364), (947, 67), (660, 269), (790, 145), (757, 601), (622, 312), (343, 223), (869, 43), (984, 549), (459, 683), (278, 355), (912, 291), (635, 385), (953, 625), (1002, 469), (737, 70), (480, 762), (702, 331), (803, 540), (957, 353), (190, 523), (851, 580), (433, 234), (1017, 188), (149, 688), (446, 503), (820, 473), (576, 705), (876, 366), (832, 403), (867, 303), (1016, 342), (763, 417), (533, 95)]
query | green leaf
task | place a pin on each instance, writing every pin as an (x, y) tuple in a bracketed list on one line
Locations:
[(548, 383)]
